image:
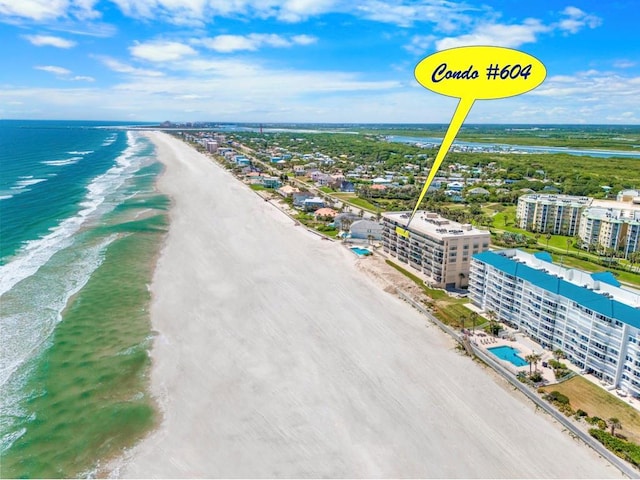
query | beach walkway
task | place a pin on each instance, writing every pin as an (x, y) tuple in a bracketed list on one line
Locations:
[(276, 357)]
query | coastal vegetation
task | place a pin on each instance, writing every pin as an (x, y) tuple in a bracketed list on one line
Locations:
[(449, 310), (599, 404)]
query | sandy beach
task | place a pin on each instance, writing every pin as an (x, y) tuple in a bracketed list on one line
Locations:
[(276, 357)]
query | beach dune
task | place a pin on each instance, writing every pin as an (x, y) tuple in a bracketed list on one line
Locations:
[(275, 357)]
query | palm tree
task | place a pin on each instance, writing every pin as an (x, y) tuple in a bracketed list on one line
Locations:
[(558, 354), (530, 359), (536, 358), (613, 424), (569, 241), (474, 318), (533, 358), (463, 318), (548, 237)]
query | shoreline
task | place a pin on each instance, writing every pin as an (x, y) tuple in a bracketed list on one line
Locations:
[(275, 356)]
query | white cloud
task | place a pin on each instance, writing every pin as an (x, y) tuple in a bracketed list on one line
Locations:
[(53, 69), (43, 10), (576, 20), (622, 63), (498, 35), (121, 67), (253, 41), (446, 16), (161, 51), (34, 9), (49, 40), (514, 35), (64, 73), (304, 39), (298, 10), (420, 43)]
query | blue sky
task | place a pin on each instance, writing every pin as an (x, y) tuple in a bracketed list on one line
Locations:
[(338, 61)]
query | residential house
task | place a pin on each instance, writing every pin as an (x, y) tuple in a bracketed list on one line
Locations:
[(366, 229), (313, 204)]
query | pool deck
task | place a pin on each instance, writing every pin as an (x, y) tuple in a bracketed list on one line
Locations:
[(525, 346), (521, 343)]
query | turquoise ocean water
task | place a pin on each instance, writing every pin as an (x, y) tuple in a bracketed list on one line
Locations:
[(80, 228)]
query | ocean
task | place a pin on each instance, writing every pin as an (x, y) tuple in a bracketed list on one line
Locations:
[(81, 225)]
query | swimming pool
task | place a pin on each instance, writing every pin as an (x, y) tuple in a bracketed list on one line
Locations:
[(509, 354), (361, 252)]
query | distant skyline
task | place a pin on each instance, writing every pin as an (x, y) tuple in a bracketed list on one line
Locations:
[(323, 61)]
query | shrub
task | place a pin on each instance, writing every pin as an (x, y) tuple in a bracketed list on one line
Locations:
[(581, 413), (623, 449), (536, 377), (557, 397)]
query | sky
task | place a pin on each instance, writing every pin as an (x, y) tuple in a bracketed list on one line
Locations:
[(312, 61)]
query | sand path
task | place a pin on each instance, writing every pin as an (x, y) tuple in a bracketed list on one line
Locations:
[(277, 358)]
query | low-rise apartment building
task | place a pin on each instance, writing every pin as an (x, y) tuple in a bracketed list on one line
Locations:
[(590, 317), (436, 247)]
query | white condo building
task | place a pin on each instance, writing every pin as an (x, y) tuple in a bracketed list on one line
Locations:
[(590, 317), (547, 213), (617, 228), (436, 247)]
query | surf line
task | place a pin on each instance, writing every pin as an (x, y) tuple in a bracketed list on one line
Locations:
[(456, 72)]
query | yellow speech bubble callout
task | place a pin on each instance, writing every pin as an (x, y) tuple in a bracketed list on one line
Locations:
[(470, 74)]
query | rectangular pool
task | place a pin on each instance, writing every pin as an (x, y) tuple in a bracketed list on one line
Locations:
[(361, 252), (509, 354)]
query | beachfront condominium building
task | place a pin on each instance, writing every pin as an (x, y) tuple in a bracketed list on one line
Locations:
[(436, 247), (611, 228), (590, 317), (547, 213)]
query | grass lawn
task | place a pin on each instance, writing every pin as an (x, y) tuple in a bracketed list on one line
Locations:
[(597, 402), (257, 186), (447, 309), (362, 203)]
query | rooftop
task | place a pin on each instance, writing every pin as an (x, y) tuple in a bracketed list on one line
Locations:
[(434, 225), (594, 291), (554, 199)]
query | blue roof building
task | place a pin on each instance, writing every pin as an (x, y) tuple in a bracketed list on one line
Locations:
[(590, 317)]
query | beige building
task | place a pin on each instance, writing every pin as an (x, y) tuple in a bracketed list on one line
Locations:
[(438, 248)]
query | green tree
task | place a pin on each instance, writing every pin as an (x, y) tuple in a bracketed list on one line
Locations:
[(463, 319), (614, 423), (533, 359), (529, 359), (473, 316)]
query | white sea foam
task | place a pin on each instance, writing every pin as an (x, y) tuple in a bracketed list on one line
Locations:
[(24, 331), (60, 163), (7, 440), (36, 253), (85, 152), (110, 139), (27, 181)]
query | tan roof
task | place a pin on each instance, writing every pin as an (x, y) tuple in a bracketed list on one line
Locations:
[(326, 212), (289, 189)]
